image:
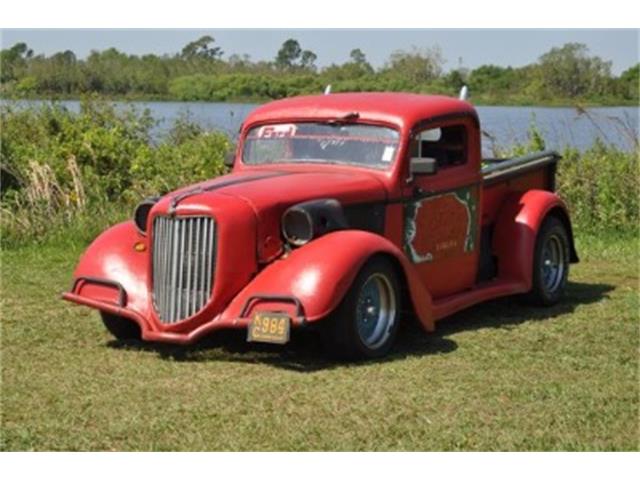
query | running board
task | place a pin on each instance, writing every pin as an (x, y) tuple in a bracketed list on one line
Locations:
[(480, 293)]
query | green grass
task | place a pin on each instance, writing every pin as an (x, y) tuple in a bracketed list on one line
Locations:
[(496, 377)]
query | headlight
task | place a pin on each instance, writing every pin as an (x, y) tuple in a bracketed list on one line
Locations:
[(308, 220), (297, 226), (141, 213)]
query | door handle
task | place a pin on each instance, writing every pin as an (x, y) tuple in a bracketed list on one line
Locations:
[(421, 192)]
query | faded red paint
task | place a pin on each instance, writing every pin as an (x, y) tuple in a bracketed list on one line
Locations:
[(441, 227), (251, 256)]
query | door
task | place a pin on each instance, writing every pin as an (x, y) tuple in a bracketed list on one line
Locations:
[(442, 210)]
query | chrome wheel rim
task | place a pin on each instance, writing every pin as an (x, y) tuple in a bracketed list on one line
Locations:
[(553, 263), (375, 311)]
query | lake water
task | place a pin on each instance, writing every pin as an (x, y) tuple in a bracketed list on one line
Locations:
[(505, 125)]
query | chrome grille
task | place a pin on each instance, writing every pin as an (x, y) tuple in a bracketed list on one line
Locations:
[(183, 265)]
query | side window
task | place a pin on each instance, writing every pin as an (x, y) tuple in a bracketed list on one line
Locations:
[(448, 145)]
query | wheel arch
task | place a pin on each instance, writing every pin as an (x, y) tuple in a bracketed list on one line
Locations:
[(112, 258), (406, 300), (320, 273), (561, 214), (516, 231)]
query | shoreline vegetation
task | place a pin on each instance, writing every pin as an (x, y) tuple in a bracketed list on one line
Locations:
[(564, 76), (477, 101), (66, 176)]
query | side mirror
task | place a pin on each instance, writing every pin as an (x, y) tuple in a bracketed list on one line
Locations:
[(423, 166), (230, 158)]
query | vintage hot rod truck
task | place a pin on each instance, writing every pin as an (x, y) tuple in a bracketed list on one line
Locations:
[(340, 212)]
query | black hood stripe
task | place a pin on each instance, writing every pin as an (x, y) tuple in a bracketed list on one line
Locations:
[(225, 183)]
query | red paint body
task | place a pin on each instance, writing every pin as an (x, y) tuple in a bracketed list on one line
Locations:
[(252, 258)]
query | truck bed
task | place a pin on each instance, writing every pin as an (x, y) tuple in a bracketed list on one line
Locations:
[(496, 170), (505, 176)]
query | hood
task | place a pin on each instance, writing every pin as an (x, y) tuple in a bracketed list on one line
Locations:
[(263, 187), (270, 192)]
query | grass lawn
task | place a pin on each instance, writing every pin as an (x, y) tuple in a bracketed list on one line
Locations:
[(500, 376)]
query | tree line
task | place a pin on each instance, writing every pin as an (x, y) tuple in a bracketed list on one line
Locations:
[(568, 74)]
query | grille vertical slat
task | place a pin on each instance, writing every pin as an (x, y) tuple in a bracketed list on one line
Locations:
[(203, 260), (203, 269), (194, 296), (191, 262), (154, 258), (196, 264), (183, 265), (166, 278), (211, 245), (187, 303), (157, 257), (173, 273), (181, 249)]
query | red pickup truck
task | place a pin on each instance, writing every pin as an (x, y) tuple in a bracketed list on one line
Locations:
[(341, 212)]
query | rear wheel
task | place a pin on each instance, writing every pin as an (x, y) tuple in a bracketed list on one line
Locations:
[(366, 322), (121, 328), (550, 263)]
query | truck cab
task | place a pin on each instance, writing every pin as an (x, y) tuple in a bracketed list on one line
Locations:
[(341, 213)]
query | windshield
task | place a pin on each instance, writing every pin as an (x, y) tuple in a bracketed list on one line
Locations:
[(349, 144)]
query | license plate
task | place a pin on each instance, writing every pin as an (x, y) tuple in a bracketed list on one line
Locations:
[(269, 328)]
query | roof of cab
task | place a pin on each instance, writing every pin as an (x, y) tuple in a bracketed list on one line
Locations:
[(400, 109)]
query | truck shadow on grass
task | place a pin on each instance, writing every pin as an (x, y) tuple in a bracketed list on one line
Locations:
[(304, 352)]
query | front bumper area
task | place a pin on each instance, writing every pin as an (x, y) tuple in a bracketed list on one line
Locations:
[(153, 331)]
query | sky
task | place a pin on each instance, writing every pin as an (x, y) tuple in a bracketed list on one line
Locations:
[(469, 48)]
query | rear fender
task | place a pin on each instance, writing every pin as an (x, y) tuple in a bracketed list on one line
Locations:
[(517, 227), (319, 274), (112, 258)]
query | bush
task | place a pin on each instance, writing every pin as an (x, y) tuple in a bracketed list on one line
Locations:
[(229, 87), (72, 174), (601, 185), (62, 168)]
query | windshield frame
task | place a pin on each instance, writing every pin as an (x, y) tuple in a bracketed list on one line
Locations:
[(326, 121)]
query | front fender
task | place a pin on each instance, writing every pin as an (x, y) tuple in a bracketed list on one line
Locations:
[(320, 273), (517, 227), (112, 257)]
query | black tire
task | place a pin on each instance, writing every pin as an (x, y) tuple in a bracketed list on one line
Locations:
[(121, 328), (343, 337), (550, 263)]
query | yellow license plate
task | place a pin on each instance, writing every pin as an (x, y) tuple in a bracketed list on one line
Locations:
[(269, 328)]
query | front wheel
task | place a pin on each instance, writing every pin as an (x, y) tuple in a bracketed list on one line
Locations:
[(550, 263), (366, 322)]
